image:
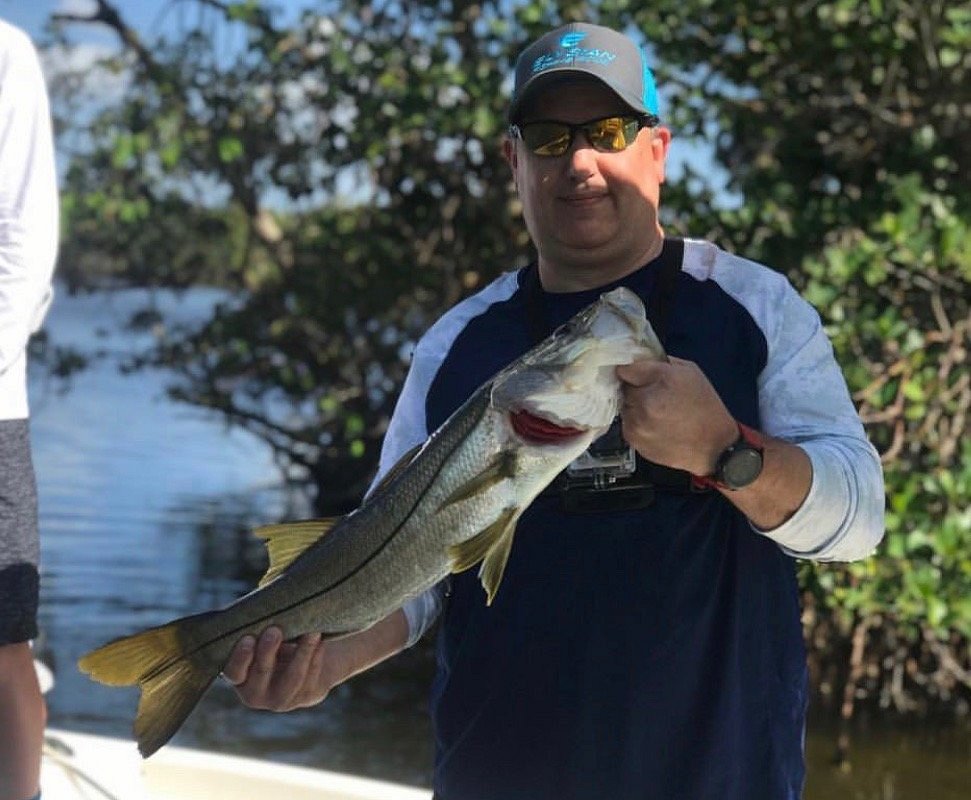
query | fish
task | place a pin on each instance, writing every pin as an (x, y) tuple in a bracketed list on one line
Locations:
[(449, 504)]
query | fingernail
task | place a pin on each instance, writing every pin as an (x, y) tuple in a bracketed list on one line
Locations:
[(247, 642)]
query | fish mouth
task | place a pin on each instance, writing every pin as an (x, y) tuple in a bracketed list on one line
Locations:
[(536, 430)]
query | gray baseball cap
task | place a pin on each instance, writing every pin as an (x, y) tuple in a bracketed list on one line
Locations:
[(584, 49)]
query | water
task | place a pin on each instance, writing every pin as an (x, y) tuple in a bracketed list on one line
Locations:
[(145, 508)]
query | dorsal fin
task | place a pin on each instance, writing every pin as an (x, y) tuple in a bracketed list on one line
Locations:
[(286, 541), (398, 468)]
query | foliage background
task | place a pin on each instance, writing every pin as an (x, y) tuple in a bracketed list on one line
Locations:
[(340, 177)]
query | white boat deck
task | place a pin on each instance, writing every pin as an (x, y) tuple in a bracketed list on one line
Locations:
[(81, 766)]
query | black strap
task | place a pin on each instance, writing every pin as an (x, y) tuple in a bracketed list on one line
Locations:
[(661, 301), (536, 316), (659, 306)]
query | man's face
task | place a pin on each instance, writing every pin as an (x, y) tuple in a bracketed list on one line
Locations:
[(586, 209)]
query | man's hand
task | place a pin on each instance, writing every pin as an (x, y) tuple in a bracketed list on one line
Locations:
[(274, 675), (673, 416)]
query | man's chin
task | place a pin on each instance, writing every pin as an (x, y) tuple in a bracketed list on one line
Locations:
[(587, 250), (586, 235)]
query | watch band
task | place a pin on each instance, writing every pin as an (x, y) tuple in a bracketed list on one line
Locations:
[(748, 439)]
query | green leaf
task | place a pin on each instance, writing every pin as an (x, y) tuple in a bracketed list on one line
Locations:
[(230, 149), (123, 151), (170, 153)]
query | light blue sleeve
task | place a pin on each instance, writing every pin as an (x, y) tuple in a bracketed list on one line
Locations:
[(804, 400)]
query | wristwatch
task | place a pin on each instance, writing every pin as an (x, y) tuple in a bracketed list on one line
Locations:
[(739, 464)]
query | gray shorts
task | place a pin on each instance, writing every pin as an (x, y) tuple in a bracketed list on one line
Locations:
[(19, 541)]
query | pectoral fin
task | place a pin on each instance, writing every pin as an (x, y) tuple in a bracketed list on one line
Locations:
[(501, 467), (285, 542), (490, 546)]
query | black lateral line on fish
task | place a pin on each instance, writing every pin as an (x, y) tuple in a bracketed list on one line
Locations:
[(377, 551)]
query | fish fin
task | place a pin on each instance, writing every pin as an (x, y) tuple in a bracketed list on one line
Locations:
[(171, 685), (501, 467), (494, 565), (286, 541), (166, 701), (490, 546), (124, 661), (398, 468)]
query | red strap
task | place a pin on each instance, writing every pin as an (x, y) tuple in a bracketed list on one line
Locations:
[(752, 436)]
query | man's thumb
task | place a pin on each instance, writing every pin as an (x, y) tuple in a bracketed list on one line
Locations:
[(640, 373)]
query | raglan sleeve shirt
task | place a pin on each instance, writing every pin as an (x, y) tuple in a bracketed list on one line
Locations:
[(28, 212), (803, 399)]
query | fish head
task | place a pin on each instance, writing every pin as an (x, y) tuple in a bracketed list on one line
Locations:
[(567, 383)]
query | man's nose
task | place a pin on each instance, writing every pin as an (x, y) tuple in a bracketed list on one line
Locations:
[(582, 157)]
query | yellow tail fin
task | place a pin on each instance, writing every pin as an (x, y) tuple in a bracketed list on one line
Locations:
[(171, 684)]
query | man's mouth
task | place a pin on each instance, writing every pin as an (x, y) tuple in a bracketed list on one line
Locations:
[(582, 200), (537, 430)]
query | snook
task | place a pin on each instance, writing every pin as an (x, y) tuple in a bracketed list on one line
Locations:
[(449, 504)]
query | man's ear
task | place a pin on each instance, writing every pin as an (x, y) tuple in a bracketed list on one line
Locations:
[(660, 143), (510, 154)]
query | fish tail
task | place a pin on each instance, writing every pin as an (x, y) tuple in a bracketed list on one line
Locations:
[(171, 682)]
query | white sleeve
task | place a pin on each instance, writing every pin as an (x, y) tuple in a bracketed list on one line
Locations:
[(422, 611), (804, 400), (28, 196)]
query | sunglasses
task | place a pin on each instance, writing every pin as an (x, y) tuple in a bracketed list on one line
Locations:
[(606, 135)]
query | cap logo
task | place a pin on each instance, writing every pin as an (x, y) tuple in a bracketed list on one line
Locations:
[(570, 52)]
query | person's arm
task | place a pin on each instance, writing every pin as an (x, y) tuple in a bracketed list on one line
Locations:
[(28, 198), (804, 400), (821, 494)]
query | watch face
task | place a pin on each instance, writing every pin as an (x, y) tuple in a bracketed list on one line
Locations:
[(742, 467)]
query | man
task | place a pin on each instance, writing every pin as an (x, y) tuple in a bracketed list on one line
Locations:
[(645, 643), (28, 244)]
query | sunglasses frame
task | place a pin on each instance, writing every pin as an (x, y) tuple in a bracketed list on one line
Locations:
[(516, 131)]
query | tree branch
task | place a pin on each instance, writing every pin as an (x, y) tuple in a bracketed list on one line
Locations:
[(107, 14)]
